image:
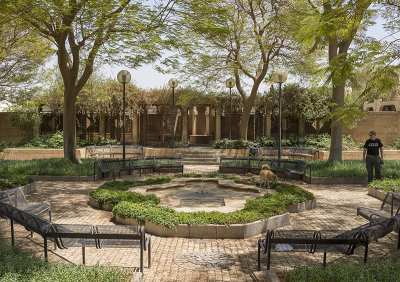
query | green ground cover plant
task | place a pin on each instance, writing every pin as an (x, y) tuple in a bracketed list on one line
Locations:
[(128, 204), (386, 185), (13, 181), (58, 167), (18, 265), (55, 141), (375, 270), (321, 142), (352, 168)]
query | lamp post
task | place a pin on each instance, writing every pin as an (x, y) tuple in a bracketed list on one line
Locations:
[(280, 77), (173, 83), (230, 82), (123, 77)]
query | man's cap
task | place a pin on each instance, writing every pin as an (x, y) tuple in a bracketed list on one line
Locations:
[(372, 132)]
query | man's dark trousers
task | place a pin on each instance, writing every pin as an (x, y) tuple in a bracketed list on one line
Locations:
[(373, 161)]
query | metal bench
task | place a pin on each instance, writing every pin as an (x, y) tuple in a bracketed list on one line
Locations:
[(287, 167), (115, 166), (390, 207), (325, 241), (79, 235), (131, 151), (291, 152)]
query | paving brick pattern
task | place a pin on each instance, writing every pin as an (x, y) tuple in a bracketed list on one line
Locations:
[(172, 257)]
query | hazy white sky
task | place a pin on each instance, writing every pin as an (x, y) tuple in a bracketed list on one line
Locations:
[(147, 77)]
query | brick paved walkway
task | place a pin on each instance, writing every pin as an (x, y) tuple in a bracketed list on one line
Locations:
[(336, 209)]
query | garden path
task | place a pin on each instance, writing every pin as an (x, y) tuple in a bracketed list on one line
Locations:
[(171, 260)]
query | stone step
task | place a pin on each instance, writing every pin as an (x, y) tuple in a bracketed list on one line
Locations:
[(199, 160), (199, 163), (200, 156)]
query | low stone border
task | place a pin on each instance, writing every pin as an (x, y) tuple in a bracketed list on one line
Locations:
[(338, 180), (61, 178), (213, 231), (28, 189), (380, 195), (295, 208)]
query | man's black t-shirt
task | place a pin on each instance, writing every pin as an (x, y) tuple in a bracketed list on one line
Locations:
[(373, 146)]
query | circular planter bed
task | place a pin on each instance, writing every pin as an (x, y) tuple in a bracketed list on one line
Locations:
[(144, 209)]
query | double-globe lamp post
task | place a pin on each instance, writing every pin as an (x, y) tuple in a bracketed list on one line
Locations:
[(230, 82), (280, 77), (123, 77), (173, 83)]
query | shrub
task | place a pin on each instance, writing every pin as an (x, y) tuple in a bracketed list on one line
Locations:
[(386, 185), (13, 181), (396, 144), (232, 144), (3, 145)]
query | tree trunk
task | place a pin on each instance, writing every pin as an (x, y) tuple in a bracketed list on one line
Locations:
[(335, 151), (244, 121), (69, 127)]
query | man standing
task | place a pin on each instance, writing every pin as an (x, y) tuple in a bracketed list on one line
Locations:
[(371, 151)]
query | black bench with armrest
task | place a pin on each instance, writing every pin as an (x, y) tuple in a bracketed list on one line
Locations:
[(327, 240), (390, 207), (287, 167), (79, 235), (115, 150), (291, 152), (115, 166)]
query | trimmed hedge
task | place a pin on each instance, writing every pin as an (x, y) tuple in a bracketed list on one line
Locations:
[(142, 208)]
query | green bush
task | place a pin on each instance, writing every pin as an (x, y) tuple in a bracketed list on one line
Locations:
[(375, 270), (396, 144), (56, 141), (18, 265), (232, 144), (128, 204), (3, 145), (13, 181), (386, 185), (321, 142)]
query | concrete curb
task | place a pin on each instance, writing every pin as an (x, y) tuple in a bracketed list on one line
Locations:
[(272, 276), (339, 180), (296, 208), (61, 178)]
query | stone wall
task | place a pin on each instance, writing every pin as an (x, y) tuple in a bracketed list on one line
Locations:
[(31, 154), (386, 125)]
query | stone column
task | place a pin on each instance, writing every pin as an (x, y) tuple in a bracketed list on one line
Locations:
[(207, 113), (135, 129), (217, 124), (268, 125), (194, 120), (185, 124)]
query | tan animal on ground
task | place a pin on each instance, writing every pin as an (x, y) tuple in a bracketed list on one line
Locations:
[(267, 176)]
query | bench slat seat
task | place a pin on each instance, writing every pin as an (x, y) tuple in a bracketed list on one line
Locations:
[(111, 151), (390, 207)]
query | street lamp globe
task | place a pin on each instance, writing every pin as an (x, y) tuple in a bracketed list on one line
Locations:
[(124, 76), (230, 82), (173, 83), (280, 76)]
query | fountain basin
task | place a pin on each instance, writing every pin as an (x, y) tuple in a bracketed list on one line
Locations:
[(209, 194)]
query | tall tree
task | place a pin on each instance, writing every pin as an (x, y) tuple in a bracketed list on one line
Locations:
[(22, 52), (85, 31), (242, 38), (334, 26)]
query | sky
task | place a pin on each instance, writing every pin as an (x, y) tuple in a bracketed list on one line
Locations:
[(147, 77)]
